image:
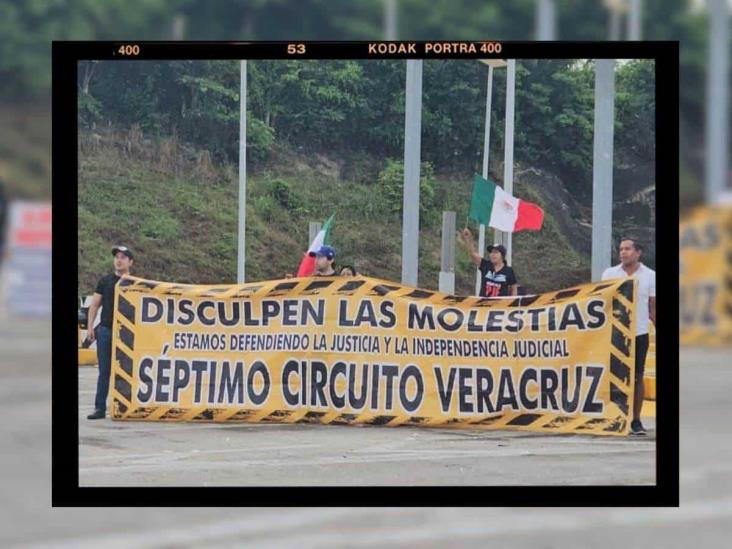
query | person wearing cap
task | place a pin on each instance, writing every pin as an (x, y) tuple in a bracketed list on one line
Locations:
[(497, 278), (104, 297), (324, 261)]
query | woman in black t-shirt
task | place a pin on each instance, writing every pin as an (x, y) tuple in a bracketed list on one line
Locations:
[(497, 278)]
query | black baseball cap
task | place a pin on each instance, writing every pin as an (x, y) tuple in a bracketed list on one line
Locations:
[(500, 247), (124, 249)]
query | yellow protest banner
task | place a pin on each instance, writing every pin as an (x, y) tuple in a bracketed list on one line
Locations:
[(705, 277), (339, 350)]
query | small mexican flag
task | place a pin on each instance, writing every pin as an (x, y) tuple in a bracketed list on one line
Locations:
[(307, 265), (493, 206)]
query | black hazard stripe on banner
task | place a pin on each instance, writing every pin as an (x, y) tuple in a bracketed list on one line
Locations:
[(282, 288), (344, 419), (311, 417), (619, 369), (213, 292), (419, 294), (525, 419), (455, 421), (621, 312), (615, 426), (242, 415), (141, 413), (557, 422), (600, 287), (592, 423), (126, 309), (488, 420), (174, 413), (316, 286), (416, 420), (626, 289), (620, 341), (565, 294), (123, 387), (277, 415), (523, 301), (383, 289), (490, 302), (380, 420), (127, 336), (350, 287), (172, 290), (248, 292), (208, 413), (126, 282), (619, 397), (125, 362)]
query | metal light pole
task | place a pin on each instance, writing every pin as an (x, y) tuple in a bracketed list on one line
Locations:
[(390, 20), (447, 254), (242, 222), (602, 166), (412, 143), (635, 20), (179, 26), (616, 8), (313, 230), (546, 20), (717, 122)]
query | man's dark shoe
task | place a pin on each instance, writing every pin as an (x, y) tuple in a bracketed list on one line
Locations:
[(637, 429), (98, 414)]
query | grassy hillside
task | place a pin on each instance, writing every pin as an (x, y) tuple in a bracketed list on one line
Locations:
[(25, 150), (179, 213)]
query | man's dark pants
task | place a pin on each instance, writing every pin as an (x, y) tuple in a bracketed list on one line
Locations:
[(641, 350), (104, 358)]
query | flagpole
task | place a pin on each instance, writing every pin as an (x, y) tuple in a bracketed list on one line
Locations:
[(242, 221), (508, 147), (486, 155)]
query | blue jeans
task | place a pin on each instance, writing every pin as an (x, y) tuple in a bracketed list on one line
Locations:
[(104, 357)]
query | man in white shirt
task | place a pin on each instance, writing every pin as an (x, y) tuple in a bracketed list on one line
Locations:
[(630, 266)]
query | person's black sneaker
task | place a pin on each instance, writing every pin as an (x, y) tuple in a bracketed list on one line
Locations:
[(637, 429), (98, 414)]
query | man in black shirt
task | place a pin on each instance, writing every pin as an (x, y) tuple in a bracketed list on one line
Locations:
[(104, 297), (497, 278)]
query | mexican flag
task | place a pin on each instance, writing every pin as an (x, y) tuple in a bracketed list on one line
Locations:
[(493, 206), (307, 265)]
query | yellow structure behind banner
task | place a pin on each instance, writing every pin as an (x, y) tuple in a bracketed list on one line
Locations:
[(705, 277), (359, 350)]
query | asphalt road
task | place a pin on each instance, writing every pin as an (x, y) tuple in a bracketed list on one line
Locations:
[(115, 453), (27, 520)]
